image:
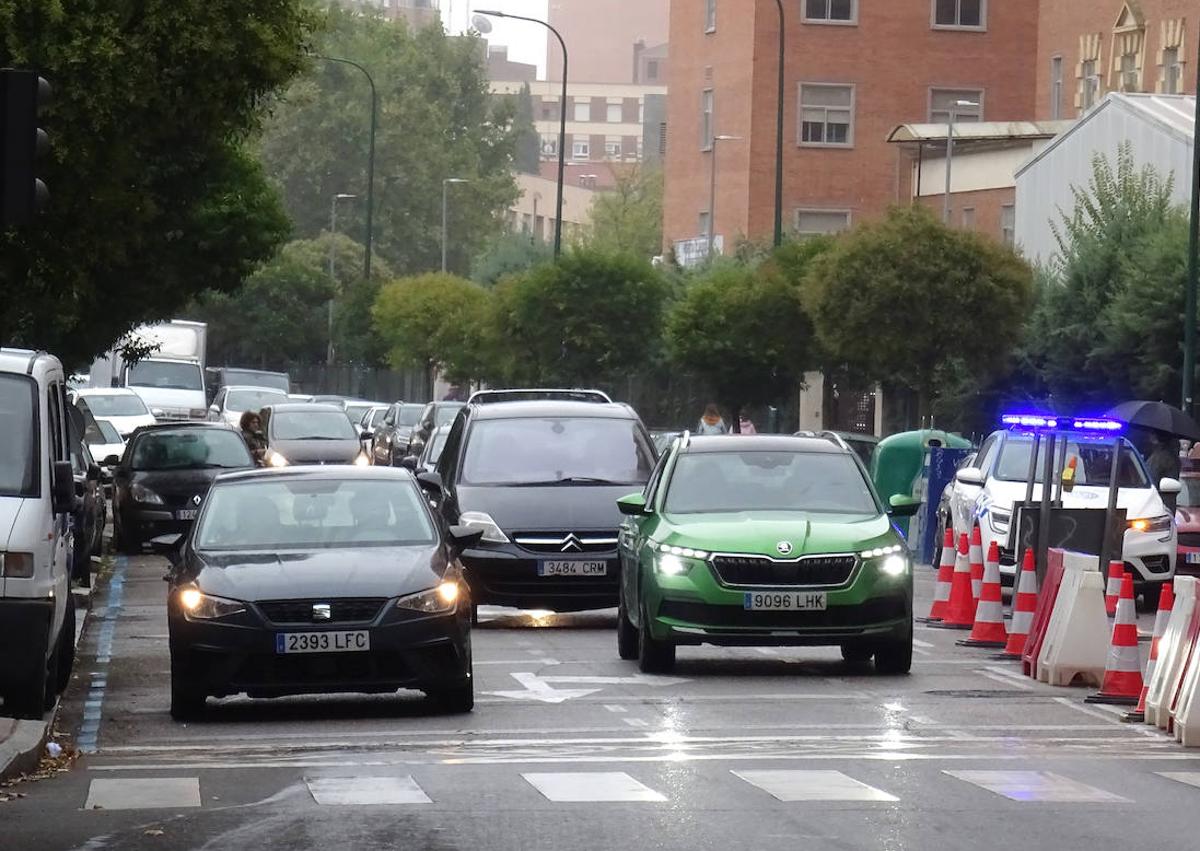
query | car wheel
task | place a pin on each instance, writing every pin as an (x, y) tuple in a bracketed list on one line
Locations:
[(66, 649), (455, 701), (1150, 595), (654, 656), (895, 655), (627, 634), (187, 702), (27, 699), (857, 653)]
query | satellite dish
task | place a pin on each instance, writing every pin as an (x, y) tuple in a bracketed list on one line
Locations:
[(481, 24)]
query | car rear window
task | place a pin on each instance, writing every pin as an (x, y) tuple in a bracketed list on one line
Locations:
[(253, 400), (190, 449), (115, 405)]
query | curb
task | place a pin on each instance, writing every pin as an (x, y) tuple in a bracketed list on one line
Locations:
[(22, 750)]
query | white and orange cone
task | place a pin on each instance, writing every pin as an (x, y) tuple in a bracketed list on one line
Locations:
[(1166, 602), (1112, 590), (976, 554), (989, 628), (1123, 672), (960, 610), (945, 578), (1024, 605)]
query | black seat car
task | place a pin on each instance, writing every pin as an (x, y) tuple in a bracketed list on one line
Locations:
[(390, 441), (300, 433), (319, 580), (539, 479), (161, 481), (435, 414)]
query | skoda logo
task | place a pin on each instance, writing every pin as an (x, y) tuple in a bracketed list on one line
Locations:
[(197, 499), (322, 612), (784, 547)]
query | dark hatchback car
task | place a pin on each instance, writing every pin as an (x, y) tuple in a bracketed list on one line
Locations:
[(435, 414), (300, 433), (319, 581), (390, 441), (540, 480), (161, 481)]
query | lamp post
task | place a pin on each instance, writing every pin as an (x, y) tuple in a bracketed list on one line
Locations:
[(481, 23), (1193, 267), (370, 160), (445, 191), (712, 190), (779, 131), (341, 196), (950, 153)]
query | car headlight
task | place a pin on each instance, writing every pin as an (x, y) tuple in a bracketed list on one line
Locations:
[(197, 605), (891, 559), (894, 565), (1161, 523), (999, 521), (274, 459), (361, 460), (437, 600), (141, 493), (676, 561), (484, 523)]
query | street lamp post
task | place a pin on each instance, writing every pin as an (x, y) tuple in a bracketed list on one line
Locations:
[(1193, 267), (445, 187), (779, 130), (712, 190), (370, 160), (950, 153), (341, 196), (482, 24)]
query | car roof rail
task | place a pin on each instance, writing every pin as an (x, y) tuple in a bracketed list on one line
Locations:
[(834, 437), (517, 394), (684, 439)]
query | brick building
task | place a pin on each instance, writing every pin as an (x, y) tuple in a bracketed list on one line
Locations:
[(855, 70)]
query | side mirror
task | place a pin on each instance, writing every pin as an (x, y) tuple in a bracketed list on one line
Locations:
[(409, 462), (902, 505), (364, 434), (970, 476), (93, 473), (170, 546), (633, 505), (464, 537), (112, 460), (214, 410), (1170, 486), (430, 482), (62, 487)]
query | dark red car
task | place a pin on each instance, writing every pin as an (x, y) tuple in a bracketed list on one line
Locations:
[(1187, 519)]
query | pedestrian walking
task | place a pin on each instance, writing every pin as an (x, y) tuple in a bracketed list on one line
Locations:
[(251, 426), (711, 421), (746, 425)]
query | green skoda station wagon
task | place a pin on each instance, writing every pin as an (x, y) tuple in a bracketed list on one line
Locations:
[(763, 541)]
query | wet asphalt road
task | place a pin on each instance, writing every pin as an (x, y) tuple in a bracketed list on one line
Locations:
[(569, 747)]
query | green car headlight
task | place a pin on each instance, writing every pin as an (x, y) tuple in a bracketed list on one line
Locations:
[(890, 559), (676, 561)]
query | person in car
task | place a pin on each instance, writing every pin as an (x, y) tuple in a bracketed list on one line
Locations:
[(251, 426), (711, 421)]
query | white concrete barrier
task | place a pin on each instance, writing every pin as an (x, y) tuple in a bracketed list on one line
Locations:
[(1078, 635), (1173, 652)]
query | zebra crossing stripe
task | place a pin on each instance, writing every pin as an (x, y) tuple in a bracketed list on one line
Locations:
[(153, 793), (591, 787), (788, 785), (365, 791), (1037, 786)]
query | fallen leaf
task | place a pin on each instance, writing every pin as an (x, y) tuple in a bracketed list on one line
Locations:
[(154, 831)]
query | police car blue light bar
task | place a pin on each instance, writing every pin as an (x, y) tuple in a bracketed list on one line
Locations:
[(1051, 422)]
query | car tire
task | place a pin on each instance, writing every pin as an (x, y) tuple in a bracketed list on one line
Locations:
[(654, 656), (627, 634), (1150, 595), (458, 700), (895, 655), (857, 654), (66, 649), (27, 700), (187, 702)]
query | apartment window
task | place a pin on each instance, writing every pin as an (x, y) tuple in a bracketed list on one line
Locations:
[(612, 147), (652, 69), (941, 101), (1056, 87), (826, 114), (550, 146), (831, 11), (710, 16), (1129, 72), (1008, 224), (964, 14), (1089, 82), (550, 110), (583, 110), (526, 222), (703, 222), (581, 150), (814, 222), (1172, 72), (968, 218), (706, 119), (613, 113)]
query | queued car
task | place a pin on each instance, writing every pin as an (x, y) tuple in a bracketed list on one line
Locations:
[(763, 541), (435, 414), (91, 507), (119, 405), (310, 434), (161, 481), (300, 581), (1187, 522), (355, 408), (104, 440), (427, 461), (231, 402), (221, 377), (664, 439), (539, 480), (390, 441)]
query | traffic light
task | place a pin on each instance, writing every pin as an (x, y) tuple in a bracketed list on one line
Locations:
[(22, 95)]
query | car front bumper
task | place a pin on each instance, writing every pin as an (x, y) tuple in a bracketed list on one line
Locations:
[(144, 523), (508, 576), (1149, 556)]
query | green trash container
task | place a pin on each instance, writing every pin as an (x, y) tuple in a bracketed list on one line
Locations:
[(898, 461)]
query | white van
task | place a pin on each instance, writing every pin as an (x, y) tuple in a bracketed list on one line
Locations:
[(37, 494)]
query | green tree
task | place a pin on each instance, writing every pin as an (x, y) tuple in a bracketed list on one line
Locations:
[(590, 317), (437, 119), (507, 254), (901, 298), (154, 198), (525, 136), (629, 217), (743, 329)]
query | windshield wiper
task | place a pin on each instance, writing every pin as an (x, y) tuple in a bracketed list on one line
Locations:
[(570, 480)]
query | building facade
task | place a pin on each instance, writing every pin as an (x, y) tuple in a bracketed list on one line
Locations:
[(854, 70), (602, 40), (533, 211)]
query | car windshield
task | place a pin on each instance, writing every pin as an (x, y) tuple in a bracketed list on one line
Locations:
[(166, 375), (253, 378), (377, 416), (303, 513), (311, 425), (190, 449), (253, 400), (108, 431), (100, 433), (550, 450), (354, 412), (808, 482), (18, 403), (1189, 497), (445, 414), (409, 415), (1093, 462), (115, 405)]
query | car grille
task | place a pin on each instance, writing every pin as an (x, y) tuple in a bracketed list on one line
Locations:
[(872, 612), (569, 543), (1189, 539), (1154, 564), (760, 570), (301, 611)]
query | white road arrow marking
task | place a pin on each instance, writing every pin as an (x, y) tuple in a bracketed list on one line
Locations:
[(538, 689), (635, 680)]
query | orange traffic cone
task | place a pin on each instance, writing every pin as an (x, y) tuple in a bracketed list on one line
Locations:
[(960, 611), (941, 593), (1112, 590), (1024, 605), (976, 564), (1166, 602), (989, 628), (1123, 672)]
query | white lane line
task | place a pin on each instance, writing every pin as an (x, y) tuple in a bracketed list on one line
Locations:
[(1112, 715), (1191, 778), (144, 794), (1037, 787), (767, 651), (1004, 680), (812, 786), (365, 791), (636, 722), (921, 652), (919, 643), (479, 662), (591, 787), (1015, 676), (613, 707)]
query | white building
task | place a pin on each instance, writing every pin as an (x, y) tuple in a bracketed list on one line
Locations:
[(1158, 129)]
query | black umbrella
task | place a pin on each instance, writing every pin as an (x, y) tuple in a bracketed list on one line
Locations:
[(1159, 416)]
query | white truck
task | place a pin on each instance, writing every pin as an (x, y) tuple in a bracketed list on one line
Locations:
[(170, 380)]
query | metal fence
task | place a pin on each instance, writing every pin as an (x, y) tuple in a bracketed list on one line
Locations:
[(361, 382)]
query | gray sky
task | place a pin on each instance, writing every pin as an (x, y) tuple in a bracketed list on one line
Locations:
[(526, 42)]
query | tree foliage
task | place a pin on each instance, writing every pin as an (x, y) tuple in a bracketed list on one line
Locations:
[(527, 142), (435, 320), (898, 299), (154, 197), (629, 217), (507, 254)]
